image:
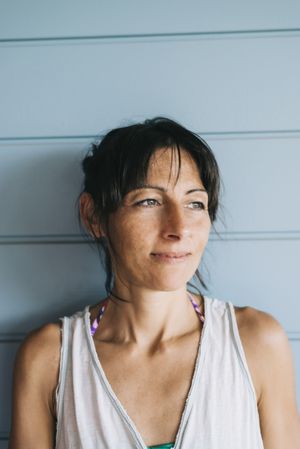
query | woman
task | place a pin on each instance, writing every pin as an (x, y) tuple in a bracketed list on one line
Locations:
[(154, 364)]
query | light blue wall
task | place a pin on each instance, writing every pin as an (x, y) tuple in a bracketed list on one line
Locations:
[(70, 70)]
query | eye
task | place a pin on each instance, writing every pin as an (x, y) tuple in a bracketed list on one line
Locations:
[(148, 202), (199, 205)]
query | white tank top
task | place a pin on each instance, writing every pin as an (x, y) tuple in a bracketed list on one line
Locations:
[(220, 410)]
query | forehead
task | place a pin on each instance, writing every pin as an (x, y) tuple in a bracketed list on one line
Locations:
[(173, 164)]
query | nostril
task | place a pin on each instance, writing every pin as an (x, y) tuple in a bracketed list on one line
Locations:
[(174, 236)]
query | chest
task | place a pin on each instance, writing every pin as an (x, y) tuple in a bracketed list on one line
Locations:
[(152, 388)]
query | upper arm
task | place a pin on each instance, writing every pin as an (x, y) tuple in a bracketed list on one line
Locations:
[(35, 379), (279, 418)]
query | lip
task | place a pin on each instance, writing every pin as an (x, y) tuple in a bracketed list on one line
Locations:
[(171, 257)]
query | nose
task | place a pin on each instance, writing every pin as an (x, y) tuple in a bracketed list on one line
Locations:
[(174, 223)]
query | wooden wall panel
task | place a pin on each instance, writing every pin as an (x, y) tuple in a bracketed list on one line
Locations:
[(42, 179), (47, 19), (43, 282), (229, 84), (261, 183), (261, 273)]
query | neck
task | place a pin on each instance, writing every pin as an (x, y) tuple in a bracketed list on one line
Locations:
[(148, 317)]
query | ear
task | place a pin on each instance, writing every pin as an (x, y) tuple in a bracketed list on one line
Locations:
[(88, 219)]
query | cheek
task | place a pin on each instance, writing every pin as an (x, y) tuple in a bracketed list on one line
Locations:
[(129, 239), (202, 229), (200, 245)]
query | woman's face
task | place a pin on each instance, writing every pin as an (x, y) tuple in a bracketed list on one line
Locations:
[(158, 235)]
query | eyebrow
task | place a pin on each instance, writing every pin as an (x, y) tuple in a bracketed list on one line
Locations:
[(162, 189)]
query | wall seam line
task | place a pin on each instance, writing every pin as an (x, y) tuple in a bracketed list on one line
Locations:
[(246, 32), (222, 236), (244, 133)]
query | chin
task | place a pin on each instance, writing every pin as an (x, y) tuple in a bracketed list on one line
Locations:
[(168, 284)]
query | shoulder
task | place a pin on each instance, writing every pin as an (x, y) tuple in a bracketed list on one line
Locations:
[(262, 333), (270, 340), (250, 318), (35, 379), (261, 327), (40, 344), (256, 328), (270, 360), (266, 346), (37, 360)]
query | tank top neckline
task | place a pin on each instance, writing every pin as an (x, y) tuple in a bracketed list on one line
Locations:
[(191, 392)]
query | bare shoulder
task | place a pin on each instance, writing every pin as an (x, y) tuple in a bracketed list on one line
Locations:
[(35, 379), (37, 361), (40, 345), (267, 329), (270, 361), (260, 330), (263, 339)]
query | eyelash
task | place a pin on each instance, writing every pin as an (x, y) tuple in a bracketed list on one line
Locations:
[(142, 204)]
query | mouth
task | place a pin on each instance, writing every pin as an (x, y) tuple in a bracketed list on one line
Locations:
[(171, 257)]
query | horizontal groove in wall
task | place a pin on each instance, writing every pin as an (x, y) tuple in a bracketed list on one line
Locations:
[(247, 134), (293, 336), (255, 235), (18, 337), (78, 239), (83, 38), (4, 436), (44, 239)]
